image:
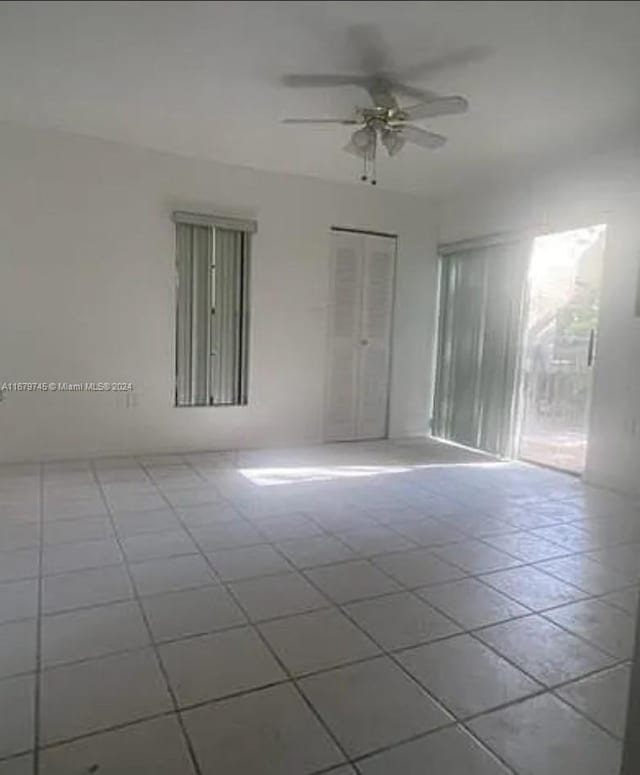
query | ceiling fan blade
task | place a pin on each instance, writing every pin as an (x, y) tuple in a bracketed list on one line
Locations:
[(415, 92), (378, 89), (413, 134), (380, 92), (464, 56), (443, 106), (343, 121), (322, 80), (367, 42)]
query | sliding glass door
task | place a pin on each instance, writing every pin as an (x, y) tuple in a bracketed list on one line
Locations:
[(564, 290), (482, 296)]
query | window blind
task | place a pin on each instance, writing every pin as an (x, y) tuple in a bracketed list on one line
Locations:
[(212, 266)]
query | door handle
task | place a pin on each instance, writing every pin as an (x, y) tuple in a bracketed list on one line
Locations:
[(591, 347)]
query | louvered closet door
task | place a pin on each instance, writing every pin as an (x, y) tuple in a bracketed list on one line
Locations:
[(375, 330), (359, 331), (344, 335)]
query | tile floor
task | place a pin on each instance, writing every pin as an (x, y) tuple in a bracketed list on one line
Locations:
[(364, 608)]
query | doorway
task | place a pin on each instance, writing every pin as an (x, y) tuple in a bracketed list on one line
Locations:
[(359, 346), (559, 347)]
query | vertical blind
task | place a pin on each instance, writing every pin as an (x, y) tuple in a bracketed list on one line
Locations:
[(194, 261), (482, 296), (212, 266), (229, 318)]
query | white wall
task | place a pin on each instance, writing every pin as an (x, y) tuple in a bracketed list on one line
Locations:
[(87, 294), (604, 189)]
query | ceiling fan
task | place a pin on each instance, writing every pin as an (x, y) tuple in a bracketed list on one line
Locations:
[(385, 122)]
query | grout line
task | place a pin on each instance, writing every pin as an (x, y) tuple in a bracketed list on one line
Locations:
[(91, 733), (267, 645), (392, 655), (38, 666), (581, 711), (367, 559), (302, 695), (161, 642), (423, 735), (483, 576), (153, 645), (430, 548), (216, 580), (545, 615), (258, 623), (464, 720), (489, 751)]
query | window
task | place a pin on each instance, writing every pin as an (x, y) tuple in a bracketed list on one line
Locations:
[(212, 315)]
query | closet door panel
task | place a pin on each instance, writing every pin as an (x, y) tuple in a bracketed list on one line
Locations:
[(375, 332), (344, 328)]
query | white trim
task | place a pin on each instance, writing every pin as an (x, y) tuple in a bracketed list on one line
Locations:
[(219, 221), (485, 241)]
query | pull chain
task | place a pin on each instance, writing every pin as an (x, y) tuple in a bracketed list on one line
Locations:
[(369, 165)]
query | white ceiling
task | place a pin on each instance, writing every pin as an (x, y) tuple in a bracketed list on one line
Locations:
[(545, 80)]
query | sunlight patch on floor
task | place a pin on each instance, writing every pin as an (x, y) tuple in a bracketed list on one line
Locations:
[(267, 476)]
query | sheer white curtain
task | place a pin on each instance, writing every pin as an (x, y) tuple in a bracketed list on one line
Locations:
[(482, 300)]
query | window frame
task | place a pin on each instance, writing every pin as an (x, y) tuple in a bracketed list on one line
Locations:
[(241, 316)]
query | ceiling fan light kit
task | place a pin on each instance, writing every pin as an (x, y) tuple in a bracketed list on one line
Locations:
[(385, 122)]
